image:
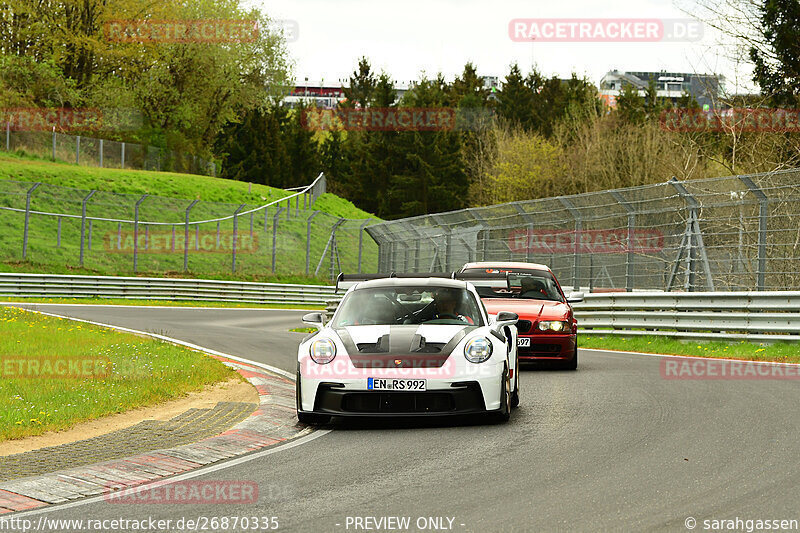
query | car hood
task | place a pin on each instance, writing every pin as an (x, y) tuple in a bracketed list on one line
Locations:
[(528, 309)]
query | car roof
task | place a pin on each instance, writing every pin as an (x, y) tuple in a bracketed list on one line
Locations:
[(411, 282), (507, 264)]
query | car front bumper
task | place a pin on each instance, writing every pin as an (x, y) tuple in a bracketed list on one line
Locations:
[(548, 348), (455, 395)]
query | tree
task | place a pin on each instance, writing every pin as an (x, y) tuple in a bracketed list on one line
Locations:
[(515, 100), (429, 177), (777, 59), (362, 85)]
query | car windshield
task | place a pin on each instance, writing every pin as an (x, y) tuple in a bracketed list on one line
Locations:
[(524, 284), (408, 305)]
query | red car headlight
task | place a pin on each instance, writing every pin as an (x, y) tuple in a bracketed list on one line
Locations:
[(555, 326)]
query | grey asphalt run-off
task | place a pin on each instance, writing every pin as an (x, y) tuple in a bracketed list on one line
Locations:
[(613, 446)]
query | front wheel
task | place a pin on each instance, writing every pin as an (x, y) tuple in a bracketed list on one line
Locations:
[(515, 394), (573, 364), (504, 414)]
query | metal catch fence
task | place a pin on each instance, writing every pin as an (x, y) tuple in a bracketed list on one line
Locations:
[(737, 233)]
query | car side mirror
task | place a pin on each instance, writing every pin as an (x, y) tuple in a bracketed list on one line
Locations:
[(505, 318), (315, 319), (575, 297)]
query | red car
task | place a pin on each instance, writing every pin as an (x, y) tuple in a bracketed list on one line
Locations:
[(547, 327)]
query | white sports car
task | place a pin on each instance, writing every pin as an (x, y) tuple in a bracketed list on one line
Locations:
[(408, 346)]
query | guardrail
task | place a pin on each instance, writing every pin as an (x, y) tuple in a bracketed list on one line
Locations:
[(754, 316), (60, 286)]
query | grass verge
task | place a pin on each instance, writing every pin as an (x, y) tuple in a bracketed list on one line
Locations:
[(56, 373), (778, 352), (158, 303)]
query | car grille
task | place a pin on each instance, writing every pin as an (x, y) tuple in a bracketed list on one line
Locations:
[(398, 402), (547, 350)]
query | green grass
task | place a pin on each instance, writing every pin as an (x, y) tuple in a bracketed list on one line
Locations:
[(135, 182), (778, 352), (158, 303), (135, 372), (171, 193)]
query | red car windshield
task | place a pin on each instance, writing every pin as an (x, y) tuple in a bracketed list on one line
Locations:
[(525, 284)]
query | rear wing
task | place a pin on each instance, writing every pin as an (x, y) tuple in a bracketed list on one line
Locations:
[(478, 279)]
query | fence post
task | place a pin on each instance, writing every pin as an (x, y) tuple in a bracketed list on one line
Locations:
[(297, 206), (331, 241), (308, 242), (186, 237), (482, 221), (101, 153), (763, 213), (692, 242), (576, 263), (233, 241), (361, 242), (54, 143), (629, 266), (529, 221), (83, 221), (288, 208), (275, 220), (78, 150), (448, 244), (27, 220), (136, 232), (8, 136), (122, 156)]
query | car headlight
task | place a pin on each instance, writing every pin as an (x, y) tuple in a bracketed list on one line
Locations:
[(553, 325), (322, 351), (478, 350)]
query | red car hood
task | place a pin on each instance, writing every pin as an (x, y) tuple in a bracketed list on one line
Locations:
[(528, 309)]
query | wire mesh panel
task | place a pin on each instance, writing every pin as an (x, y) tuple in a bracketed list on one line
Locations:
[(124, 233), (90, 151), (731, 233)]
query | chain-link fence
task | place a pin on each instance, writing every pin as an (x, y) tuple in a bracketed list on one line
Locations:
[(122, 233), (88, 151), (724, 234)]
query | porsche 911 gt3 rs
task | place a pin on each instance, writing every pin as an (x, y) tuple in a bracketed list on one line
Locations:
[(408, 346)]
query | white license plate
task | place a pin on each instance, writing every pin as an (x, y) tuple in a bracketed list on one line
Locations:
[(396, 384), (524, 341)]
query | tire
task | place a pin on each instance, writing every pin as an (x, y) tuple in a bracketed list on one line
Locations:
[(504, 414), (573, 364), (515, 394)]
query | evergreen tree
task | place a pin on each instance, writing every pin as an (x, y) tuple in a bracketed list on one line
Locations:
[(515, 100), (777, 56), (362, 85)]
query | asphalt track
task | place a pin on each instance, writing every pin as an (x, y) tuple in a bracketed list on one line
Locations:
[(612, 447)]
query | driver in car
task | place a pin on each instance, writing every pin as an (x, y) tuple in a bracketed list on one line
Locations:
[(447, 305)]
